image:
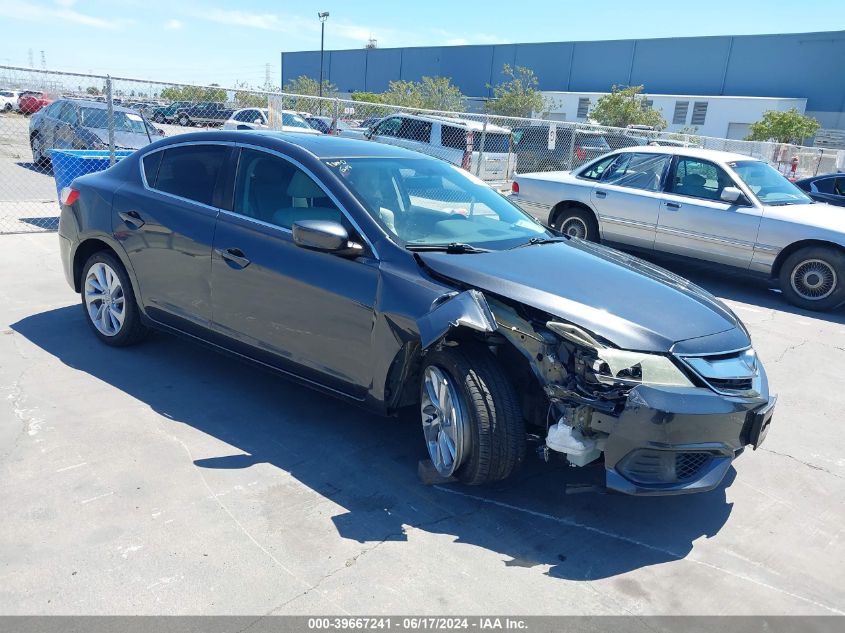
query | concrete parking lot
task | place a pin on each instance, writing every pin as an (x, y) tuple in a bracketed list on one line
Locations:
[(168, 479)]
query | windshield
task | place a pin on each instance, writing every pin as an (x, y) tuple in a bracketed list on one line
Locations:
[(294, 120), (767, 184), (426, 201), (98, 118)]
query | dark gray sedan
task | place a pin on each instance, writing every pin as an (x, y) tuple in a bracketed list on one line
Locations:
[(394, 280), (77, 124), (828, 188)]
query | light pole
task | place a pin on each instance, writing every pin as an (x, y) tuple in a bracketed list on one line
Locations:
[(323, 16)]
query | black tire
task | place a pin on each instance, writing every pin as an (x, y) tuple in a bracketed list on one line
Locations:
[(184, 121), (578, 222), (132, 330), (8, 107), (158, 117), (42, 160), (496, 427), (828, 264)]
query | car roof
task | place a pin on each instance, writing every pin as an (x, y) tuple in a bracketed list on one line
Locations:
[(467, 123), (693, 152), (99, 105), (320, 146)]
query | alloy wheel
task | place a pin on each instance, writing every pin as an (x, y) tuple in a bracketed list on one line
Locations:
[(37, 150), (105, 299), (574, 227), (813, 279), (444, 422)]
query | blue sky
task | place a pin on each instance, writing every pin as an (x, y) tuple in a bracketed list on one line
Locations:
[(224, 41)]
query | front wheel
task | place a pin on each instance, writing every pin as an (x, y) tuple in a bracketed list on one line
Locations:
[(813, 278), (158, 117), (184, 121), (577, 222), (39, 154), (471, 418), (109, 303)]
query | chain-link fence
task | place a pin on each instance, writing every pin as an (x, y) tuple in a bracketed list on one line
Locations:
[(56, 126)]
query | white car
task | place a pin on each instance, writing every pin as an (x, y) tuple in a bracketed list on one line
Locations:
[(261, 119), (9, 100), (716, 206), (457, 141)]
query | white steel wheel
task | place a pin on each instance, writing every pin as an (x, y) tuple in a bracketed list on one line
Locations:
[(444, 421), (105, 299), (813, 279)]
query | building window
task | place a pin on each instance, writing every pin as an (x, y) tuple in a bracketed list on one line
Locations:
[(583, 107), (699, 113), (680, 116)]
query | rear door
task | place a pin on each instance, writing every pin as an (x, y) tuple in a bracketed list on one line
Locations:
[(167, 226), (627, 197), (302, 311), (696, 222)]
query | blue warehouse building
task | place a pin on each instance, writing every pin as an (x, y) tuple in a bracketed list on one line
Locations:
[(802, 65)]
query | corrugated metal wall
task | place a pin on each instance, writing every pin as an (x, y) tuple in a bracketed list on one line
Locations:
[(792, 65)]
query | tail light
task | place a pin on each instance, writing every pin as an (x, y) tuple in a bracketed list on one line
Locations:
[(580, 153), (466, 161), (514, 187), (69, 195)]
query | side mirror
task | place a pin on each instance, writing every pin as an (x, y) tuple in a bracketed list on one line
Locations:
[(159, 131), (324, 235), (731, 194)]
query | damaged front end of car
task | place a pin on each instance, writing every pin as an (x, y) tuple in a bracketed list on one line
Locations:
[(664, 423)]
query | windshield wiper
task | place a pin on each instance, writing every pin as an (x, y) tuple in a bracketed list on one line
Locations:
[(454, 248), (540, 240)]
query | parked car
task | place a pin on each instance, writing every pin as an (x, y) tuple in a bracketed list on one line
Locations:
[(716, 206), (393, 280), (9, 100), (328, 125), (167, 114), (828, 188), (78, 124), (457, 141), (620, 140), (531, 145), (259, 119), (31, 102), (204, 113)]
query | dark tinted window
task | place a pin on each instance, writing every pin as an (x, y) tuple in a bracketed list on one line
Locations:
[(495, 143), (244, 116), (150, 164), (415, 130), (273, 190), (823, 185), (191, 171), (839, 187), (389, 127), (454, 137)]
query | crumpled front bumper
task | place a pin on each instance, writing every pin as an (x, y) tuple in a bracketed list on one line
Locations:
[(681, 440)]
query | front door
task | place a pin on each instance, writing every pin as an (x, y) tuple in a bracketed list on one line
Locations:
[(627, 198), (167, 231), (696, 222), (309, 313)]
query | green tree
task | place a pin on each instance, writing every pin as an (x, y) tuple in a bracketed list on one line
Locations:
[(92, 90), (518, 96), (304, 85), (788, 126), (367, 97), (249, 98), (432, 93), (626, 106), (194, 93)]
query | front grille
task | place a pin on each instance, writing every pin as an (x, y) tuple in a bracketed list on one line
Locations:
[(646, 466), (688, 465)]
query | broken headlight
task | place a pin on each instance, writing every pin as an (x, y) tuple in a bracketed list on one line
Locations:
[(634, 368)]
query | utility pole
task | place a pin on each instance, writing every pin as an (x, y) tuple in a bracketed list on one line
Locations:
[(323, 16)]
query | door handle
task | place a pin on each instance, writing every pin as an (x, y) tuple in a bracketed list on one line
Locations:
[(233, 256), (601, 194), (132, 218), (672, 205)]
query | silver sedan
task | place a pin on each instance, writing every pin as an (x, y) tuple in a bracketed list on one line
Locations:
[(716, 206)]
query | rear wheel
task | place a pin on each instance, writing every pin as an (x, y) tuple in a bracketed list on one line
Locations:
[(471, 418), (814, 278), (577, 222), (184, 121), (158, 117), (108, 301)]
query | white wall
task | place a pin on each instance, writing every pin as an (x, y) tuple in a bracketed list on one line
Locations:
[(727, 117)]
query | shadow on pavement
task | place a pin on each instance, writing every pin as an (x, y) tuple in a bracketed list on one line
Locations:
[(367, 464), (45, 170)]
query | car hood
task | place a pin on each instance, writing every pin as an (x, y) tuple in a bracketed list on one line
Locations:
[(126, 140), (818, 214), (627, 301)]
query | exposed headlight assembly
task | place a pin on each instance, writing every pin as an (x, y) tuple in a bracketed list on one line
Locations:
[(614, 366)]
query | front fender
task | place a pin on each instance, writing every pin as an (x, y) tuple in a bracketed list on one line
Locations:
[(464, 309)]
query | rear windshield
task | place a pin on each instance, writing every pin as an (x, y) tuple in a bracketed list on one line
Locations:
[(494, 143), (98, 118)]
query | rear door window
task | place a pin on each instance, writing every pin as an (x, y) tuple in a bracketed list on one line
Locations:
[(191, 171), (638, 171), (493, 142), (150, 164), (415, 130), (453, 137)]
